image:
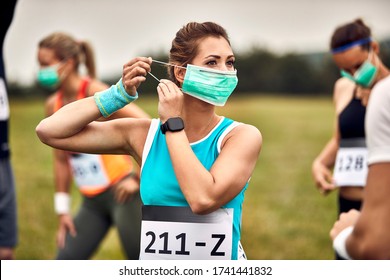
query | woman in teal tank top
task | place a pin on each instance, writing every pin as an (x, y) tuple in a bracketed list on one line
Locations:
[(195, 164)]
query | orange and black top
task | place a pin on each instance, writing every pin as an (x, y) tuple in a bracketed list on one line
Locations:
[(93, 173)]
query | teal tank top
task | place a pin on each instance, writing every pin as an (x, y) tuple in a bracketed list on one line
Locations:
[(159, 186)]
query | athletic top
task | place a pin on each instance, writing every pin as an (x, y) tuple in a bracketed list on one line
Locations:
[(378, 123), (95, 173), (4, 117), (159, 186), (6, 15), (351, 119), (351, 161)]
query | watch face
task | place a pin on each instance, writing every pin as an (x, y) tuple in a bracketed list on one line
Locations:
[(175, 124), (172, 124)]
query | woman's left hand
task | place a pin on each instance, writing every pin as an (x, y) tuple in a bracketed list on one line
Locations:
[(345, 220), (363, 94), (170, 100), (126, 189)]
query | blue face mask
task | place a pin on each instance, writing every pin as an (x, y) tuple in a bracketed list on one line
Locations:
[(364, 76), (209, 85)]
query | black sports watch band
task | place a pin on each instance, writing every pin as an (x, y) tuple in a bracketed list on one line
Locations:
[(172, 124)]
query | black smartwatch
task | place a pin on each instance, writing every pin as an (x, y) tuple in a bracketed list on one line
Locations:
[(172, 124)]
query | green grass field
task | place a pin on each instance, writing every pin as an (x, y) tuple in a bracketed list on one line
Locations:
[(284, 216)]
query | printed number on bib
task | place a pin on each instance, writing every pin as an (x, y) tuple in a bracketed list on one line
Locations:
[(88, 170), (4, 109), (351, 167), (188, 236)]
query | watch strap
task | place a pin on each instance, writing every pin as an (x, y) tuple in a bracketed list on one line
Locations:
[(172, 124)]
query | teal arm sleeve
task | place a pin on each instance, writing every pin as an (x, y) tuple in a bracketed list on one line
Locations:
[(113, 99)]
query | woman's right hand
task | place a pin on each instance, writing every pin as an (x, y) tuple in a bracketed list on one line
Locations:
[(134, 73), (170, 100), (323, 177), (65, 224)]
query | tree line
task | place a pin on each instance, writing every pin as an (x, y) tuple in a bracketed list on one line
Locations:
[(262, 71)]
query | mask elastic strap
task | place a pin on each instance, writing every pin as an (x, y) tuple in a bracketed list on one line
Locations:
[(164, 63), (169, 64), (154, 76), (371, 55)]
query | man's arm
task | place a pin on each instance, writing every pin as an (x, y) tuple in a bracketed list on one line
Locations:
[(370, 238)]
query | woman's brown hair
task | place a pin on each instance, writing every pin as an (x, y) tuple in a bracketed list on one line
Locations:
[(349, 33), (185, 44)]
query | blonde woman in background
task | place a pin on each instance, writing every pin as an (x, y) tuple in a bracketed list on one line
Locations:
[(109, 184)]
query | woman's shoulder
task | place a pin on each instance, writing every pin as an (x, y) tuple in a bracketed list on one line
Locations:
[(342, 85), (249, 128), (50, 103), (243, 137), (95, 86), (343, 93), (247, 131)]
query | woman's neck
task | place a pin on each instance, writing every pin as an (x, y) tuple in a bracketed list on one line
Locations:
[(383, 71), (70, 86), (199, 119)]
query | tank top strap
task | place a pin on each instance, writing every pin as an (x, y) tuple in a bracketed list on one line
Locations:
[(58, 101), (82, 93), (83, 88)]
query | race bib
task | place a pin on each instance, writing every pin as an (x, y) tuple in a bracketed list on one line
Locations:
[(176, 233), (351, 166), (4, 108), (88, 171)]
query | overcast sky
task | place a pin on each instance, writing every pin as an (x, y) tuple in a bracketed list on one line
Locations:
[(122, 29)]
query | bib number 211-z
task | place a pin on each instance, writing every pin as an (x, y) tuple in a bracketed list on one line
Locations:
[(177, 233)]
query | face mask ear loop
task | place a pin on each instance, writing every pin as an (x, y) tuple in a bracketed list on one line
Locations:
[(154, 76), (372, 59), (164, 63), (369, 58)]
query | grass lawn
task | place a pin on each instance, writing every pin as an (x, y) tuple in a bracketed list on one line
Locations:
[(284, 216)]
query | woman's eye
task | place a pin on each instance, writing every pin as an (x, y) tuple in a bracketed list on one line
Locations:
[(230, 63), (211, 62)]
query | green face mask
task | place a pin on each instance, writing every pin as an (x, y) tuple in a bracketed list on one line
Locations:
[(48, 77), (364, 76), (209, 85)]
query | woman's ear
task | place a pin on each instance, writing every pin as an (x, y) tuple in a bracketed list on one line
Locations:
[(375, 47), (65, 67), (179, 74)]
